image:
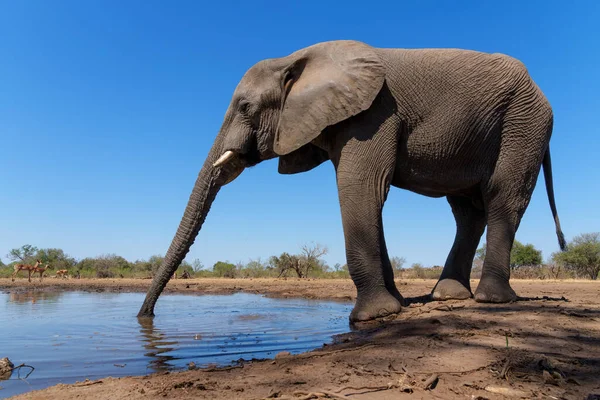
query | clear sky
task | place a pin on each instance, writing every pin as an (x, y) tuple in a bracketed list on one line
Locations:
[(108, 109)]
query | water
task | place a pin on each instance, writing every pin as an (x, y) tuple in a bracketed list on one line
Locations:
[(71, 336)]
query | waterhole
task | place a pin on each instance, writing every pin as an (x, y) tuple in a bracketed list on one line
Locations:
[(71, 336)]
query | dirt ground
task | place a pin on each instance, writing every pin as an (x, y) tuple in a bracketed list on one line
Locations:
[(546, 345)]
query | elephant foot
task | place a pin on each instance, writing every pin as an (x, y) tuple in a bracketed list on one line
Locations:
[(493, 291), (375, 306), (450, 289)]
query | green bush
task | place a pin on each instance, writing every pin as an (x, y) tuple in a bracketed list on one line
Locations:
[(582, 256), (581, 260), (224, 269), (550, 271), (6, 271), (418, 271)]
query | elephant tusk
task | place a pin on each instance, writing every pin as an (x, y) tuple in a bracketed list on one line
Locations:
[(228, 155)]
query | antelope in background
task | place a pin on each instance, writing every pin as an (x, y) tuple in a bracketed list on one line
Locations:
[(41, 270), (62, 273), (26, 267)]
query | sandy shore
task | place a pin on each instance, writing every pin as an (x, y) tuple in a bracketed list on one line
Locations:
[(553, 347)]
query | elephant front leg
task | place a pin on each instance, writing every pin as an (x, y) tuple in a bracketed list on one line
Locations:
[(361, 201), (454, 282)]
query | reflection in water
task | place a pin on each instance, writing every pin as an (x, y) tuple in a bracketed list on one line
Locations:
[(33, 297), (154, 339)]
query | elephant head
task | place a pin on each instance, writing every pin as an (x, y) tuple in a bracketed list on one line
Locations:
[(279, 107)]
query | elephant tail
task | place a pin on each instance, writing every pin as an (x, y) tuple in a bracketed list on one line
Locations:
[(547, 165)]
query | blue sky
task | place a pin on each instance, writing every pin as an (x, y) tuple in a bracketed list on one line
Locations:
[(107, 110)]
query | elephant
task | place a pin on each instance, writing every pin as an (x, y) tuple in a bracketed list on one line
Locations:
[(441, 122)]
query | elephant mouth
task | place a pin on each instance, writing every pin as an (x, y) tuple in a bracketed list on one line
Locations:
[(246, 159), (251, 158), (232, 164)]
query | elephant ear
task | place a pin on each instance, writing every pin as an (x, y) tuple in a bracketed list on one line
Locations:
[(325, 84)]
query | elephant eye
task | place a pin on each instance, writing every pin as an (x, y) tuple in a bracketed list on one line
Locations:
[(243, 106)]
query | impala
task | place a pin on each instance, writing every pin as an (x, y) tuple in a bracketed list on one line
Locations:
[(26, 267), (62, 273), (41, 270)]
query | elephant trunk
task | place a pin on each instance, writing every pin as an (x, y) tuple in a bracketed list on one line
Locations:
[(209, 182)]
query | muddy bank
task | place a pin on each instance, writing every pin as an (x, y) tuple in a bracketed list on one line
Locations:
[(340, 289), (547, 345), (322, 289)]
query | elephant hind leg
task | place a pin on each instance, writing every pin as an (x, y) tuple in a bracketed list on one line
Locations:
[(507, 195), (505, 210), (454, 283), (494, 286)]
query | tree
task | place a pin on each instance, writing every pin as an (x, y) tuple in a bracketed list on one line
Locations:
[(519, 255), (105, 266), (24, 254), (56, 258), (303, 264), (197, 265), (397, 263), (254, 269), (154, 263), (527, 254), (284, 263), (418, 270), (478, 262), (582, 255), (224, 269), (310, 259), (183, 268), (480, 253)]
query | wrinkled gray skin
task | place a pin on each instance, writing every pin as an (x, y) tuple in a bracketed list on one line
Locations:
[(470, 126)]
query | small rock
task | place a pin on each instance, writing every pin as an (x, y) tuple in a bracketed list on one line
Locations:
[(431, 382), (183, 385), (192, 365), (574, 381), (552, 378), (283, 354), (509, 392)]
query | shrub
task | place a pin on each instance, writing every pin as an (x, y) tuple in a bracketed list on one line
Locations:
[(582, 255), (224, 269)]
